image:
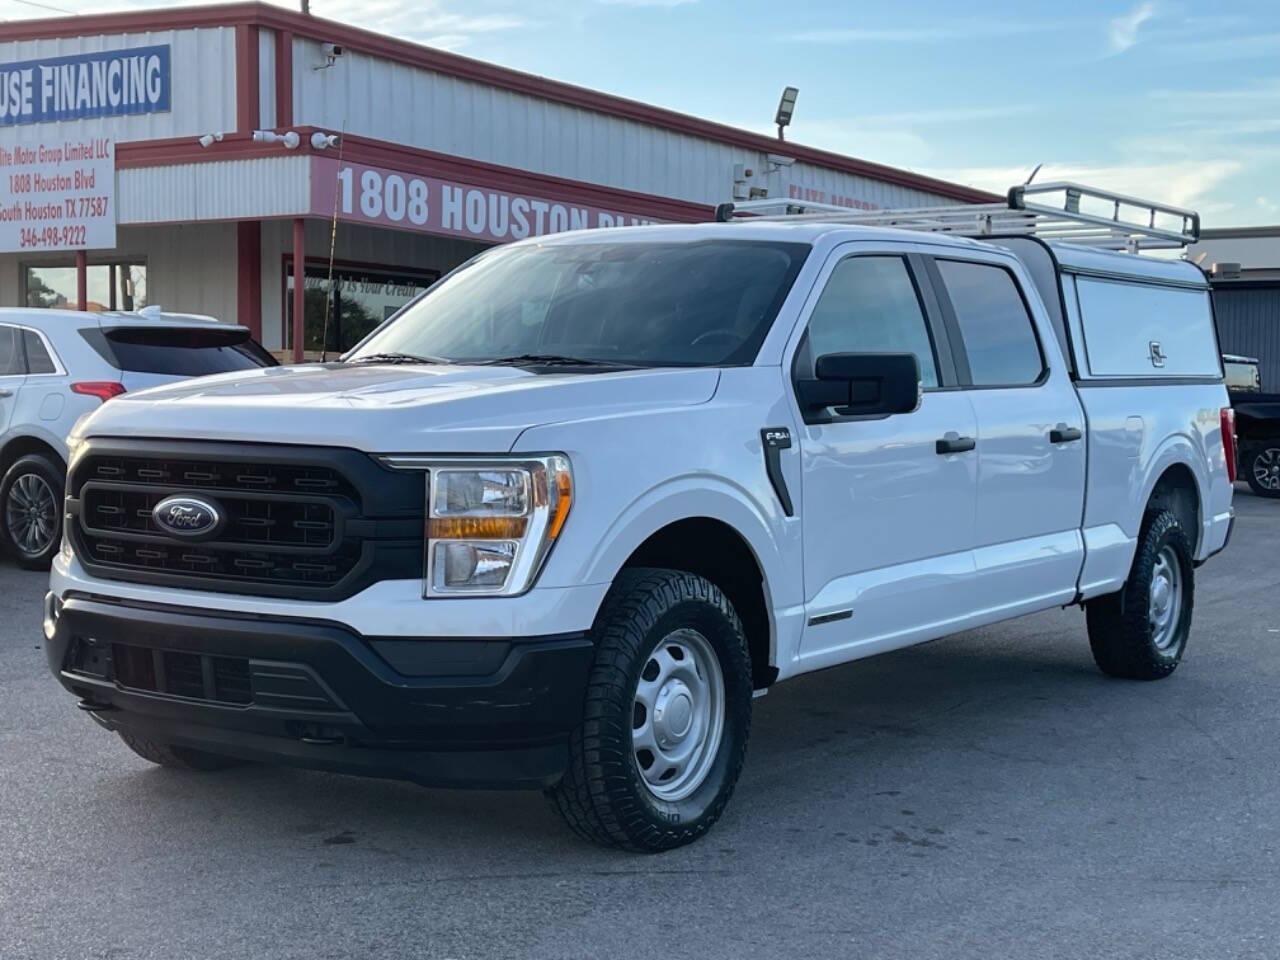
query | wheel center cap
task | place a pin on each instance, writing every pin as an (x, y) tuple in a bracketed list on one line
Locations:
[(673, 712), (1160, 595)]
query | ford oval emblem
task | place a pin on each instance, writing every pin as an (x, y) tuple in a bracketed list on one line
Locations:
[(188, 517)]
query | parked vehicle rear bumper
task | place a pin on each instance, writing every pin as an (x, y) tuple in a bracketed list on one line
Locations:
[(474, 712)]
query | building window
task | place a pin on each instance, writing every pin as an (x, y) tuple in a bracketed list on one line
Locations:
[(110, 286), (362, 297)]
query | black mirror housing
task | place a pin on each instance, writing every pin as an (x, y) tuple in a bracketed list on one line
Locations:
[(863, 384)]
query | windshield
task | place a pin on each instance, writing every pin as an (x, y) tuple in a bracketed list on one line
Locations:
[(707, 303)]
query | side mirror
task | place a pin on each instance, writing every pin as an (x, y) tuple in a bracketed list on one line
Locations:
[(863, 384)]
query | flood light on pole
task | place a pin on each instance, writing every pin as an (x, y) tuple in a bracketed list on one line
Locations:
[(786, 107)]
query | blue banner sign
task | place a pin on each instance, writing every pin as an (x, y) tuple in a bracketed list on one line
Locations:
[(104, 84)]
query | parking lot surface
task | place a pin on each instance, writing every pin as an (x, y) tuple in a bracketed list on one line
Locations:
[(987, 795)]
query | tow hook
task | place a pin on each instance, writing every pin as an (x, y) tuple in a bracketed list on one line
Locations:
[(88, 706), (318, 734)]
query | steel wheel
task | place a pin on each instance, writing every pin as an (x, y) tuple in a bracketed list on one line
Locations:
[(678, 715), (1166, 599), (31, 514), (1266, 469)]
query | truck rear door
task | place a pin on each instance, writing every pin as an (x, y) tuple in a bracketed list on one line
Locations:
[(1030, 446)]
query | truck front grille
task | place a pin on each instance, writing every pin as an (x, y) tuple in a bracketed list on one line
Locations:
[(296, 521)]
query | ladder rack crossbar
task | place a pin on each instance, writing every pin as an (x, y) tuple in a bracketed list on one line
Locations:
[(1017, 216)]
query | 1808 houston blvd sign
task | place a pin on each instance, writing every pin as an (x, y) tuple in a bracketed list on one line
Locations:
[(102, 84)]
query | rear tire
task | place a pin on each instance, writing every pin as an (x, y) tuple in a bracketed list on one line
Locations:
[(1141, 632), (31, 511), (666, 715), (179, 758), (1262, 469)]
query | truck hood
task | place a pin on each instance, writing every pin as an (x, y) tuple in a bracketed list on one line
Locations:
[(390, 408)]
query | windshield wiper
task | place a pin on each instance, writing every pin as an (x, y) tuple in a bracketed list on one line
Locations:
[(547, 360), (396, 358)]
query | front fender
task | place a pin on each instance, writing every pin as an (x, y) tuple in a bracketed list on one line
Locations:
[(683, 498)]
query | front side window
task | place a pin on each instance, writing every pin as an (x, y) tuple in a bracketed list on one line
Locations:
[(870, 305), (633, 303), (11, 359), (995, 327)]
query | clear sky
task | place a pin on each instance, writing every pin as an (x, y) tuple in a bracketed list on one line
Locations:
[(1174, 100)]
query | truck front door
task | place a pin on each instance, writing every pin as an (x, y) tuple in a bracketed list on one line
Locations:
[(887, 512)]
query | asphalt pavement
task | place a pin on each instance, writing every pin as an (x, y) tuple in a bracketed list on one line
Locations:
[(988, 795)]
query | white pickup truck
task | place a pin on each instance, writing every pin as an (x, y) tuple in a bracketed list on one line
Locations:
[(556, 523)]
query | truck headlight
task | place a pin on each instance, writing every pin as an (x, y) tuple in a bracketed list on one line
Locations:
[(491, 524)]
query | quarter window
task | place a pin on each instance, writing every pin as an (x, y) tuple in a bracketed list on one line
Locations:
[(870, 305), (999, 339), (38, 359)]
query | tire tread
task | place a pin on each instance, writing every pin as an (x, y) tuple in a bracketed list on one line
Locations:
[(1119, 634), (593, 796)]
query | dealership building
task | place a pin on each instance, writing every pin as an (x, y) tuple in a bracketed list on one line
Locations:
[(205, 158)]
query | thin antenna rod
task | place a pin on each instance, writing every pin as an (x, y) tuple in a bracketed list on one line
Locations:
[(333, 242)]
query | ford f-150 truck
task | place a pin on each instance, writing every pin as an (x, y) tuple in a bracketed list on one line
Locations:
[(556, 523)]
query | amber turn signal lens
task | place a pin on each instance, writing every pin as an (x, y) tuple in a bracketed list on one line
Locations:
[(475, 528), (564, 497)]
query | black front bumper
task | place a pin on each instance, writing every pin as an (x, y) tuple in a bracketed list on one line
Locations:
[(441, 712)]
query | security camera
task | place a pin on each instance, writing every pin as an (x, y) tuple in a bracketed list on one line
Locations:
[(289, 140), (322, 141), (332, 51), (209, 139)]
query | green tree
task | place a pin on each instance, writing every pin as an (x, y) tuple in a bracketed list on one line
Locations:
[(40, 294)]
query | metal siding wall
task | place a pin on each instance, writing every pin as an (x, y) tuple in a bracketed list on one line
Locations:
[(191, 268), (1249, 324), (203, 78), (9, 280), (391, 101), (232, 189)]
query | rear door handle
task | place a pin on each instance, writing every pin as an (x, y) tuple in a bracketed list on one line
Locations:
[(1064, 434), (5, 393), (952, 443)]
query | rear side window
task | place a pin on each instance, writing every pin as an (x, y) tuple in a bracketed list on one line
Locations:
[(1144, 330), (999, 339), (38, 359), (11, 361), (870, 305), (178, 351)]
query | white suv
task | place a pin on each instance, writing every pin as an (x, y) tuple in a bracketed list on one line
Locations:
[(558, 521), (56, 366)]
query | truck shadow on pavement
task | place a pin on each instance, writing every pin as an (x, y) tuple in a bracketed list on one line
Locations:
[(854, 734)]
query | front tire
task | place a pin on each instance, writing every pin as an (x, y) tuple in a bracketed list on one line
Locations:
[(666, 715), (1141, 632), (31, 511), (1262, 469)]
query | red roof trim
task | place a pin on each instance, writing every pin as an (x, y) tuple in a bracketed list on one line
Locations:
[(366, 41), (379, 153)]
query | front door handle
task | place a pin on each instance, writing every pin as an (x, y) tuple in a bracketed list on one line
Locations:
[(5, 393), (1064, 434), (953, 443)]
